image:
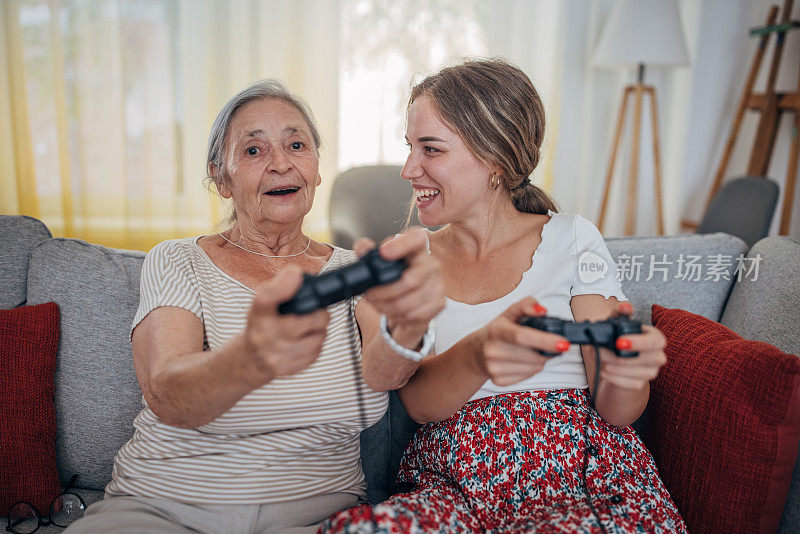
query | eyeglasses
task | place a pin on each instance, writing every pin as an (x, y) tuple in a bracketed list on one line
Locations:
[(24, 518)]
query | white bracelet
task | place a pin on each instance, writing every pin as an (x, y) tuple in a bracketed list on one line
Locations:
[(427, 341)]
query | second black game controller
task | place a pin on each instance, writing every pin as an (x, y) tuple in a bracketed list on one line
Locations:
[(325, 289), (603, 333)]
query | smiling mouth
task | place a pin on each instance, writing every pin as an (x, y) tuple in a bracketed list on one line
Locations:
[(423, 195), (286, 191)]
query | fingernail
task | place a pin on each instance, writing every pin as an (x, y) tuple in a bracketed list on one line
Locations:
[(624, 344), (538, 309), (562, 346), (626, 307)]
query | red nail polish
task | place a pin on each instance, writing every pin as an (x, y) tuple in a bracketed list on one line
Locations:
[(626, 306), (624, 344), (538, 309), (562, 346)]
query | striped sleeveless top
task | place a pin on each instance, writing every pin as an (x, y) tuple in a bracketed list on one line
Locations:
[(292, 438)]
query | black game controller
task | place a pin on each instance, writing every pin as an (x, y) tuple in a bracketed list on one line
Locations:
[(603, 333), (335, 286)]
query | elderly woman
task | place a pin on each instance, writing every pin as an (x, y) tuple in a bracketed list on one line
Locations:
[(252, 419)]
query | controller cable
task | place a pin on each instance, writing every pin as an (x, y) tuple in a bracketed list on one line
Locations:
[(357, 374), (592, 397), (359, 380)]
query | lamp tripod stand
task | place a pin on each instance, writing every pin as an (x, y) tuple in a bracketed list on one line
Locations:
[(637, 93)]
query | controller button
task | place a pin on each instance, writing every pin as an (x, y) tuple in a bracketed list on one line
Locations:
[(616, 499), (591, 450)]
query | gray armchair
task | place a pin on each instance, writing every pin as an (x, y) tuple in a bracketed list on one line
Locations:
[(370, 201), (743, 207)]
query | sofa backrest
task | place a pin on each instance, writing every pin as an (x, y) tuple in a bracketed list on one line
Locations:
[(97, 395), (691, 272), (20, 235), (766, 307)]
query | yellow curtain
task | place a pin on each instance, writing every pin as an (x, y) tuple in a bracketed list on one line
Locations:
[(105, 106), (16, 158)]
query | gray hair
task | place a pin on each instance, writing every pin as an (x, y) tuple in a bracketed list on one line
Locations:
[(260, 90)]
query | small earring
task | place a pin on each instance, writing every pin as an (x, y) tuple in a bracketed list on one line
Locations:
[(495, 181)]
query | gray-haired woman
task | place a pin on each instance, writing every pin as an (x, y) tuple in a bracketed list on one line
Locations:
[(251, 420)]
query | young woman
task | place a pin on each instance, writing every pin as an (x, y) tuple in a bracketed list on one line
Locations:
[(514, 440)]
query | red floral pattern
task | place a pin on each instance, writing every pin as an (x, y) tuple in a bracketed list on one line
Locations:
[(515, 463)]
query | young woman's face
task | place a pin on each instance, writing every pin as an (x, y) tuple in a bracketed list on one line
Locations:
[(450, 183), (272, 161)]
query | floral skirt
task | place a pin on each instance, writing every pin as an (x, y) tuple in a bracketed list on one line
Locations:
[(541, 461)]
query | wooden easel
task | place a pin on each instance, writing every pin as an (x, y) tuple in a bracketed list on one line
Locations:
[(771, 105), (636, 91)]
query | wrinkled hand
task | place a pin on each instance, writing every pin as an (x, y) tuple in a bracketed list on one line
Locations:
[(634, 373), (418, 296), (510, 351), (282, 345)]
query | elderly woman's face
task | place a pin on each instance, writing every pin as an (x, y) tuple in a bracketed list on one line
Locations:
[(272, 161)]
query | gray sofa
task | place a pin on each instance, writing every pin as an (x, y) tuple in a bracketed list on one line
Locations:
[(96, 288)]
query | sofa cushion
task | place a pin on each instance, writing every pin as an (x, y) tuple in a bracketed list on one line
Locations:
[(97, 395), (692, 272), (20, 235), (724, 424), (28, 348)]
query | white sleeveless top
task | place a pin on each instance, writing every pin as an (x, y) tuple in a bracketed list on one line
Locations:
[(292, 438), (567, 262)]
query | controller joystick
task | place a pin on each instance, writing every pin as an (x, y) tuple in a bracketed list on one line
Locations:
[(322, 290), (603, 333)]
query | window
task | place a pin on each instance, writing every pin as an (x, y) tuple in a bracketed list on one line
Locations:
[(384, 44), (99, 80)]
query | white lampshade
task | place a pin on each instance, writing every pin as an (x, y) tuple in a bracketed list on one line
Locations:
[(645, 32)]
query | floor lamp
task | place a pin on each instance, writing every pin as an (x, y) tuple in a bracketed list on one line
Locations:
[(639, 33)]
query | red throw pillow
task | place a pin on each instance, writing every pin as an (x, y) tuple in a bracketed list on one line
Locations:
[(28, 348), (724, 424)]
